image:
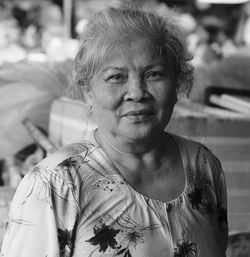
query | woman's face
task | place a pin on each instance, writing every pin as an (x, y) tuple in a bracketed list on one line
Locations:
[(133, 93)]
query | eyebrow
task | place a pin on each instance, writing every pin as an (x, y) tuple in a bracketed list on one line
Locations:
[(114, 68), (154, 65), (150, 66)]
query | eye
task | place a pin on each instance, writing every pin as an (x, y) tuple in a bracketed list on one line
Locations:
[(154, 75), (115, 78)]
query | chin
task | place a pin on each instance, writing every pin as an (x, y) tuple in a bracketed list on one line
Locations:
[(140, 133)]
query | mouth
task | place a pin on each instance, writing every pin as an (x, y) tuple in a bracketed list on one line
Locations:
[(139, 115)]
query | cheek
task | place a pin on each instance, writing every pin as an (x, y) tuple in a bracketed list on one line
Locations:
[(166, 97), (106, 99)]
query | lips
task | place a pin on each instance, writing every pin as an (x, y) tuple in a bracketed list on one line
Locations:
[(139, 112), (139, 115)]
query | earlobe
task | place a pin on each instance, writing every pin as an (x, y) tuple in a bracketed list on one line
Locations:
[(88, 101)]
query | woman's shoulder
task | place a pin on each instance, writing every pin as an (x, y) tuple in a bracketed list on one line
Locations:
[(56, 182), (196, 153), (71, 151), (61, 167), (185, 143)]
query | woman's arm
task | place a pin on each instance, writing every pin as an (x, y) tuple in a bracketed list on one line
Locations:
[(43, 215)]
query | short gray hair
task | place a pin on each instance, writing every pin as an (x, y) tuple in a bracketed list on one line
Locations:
[(95, 44)]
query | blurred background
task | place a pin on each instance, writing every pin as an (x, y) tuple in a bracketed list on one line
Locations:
[(38, 41)]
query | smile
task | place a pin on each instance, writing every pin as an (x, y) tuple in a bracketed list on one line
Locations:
[(139, 116)]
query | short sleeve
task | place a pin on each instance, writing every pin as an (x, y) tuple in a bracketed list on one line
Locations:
[(221, 193), (215, 173), (43, 215)]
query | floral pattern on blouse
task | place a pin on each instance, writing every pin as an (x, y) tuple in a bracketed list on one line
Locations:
[(185, 248), (76, 203), (124, 234)]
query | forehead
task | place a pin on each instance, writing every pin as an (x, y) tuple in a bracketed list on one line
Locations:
[(133, 49)]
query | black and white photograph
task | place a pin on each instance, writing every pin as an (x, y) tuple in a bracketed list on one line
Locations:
[(124, 128)]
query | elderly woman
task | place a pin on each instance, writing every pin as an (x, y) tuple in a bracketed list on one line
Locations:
[(132, 189)]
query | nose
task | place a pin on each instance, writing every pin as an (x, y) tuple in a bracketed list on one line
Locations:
[(136, 90)]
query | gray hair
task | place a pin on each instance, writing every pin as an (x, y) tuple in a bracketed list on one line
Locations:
[(128, 22)]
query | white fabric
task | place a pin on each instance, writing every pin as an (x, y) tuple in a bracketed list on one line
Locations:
[(76, 203)]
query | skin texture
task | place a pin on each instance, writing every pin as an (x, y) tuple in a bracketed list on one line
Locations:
[(132, 95)]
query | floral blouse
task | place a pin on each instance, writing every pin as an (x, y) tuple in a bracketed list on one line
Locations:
[(76, 203)]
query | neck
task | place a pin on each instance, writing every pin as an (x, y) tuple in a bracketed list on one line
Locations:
[(134, 154), (129, 146)]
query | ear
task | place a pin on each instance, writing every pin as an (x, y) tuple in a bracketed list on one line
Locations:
[(87, 95)]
